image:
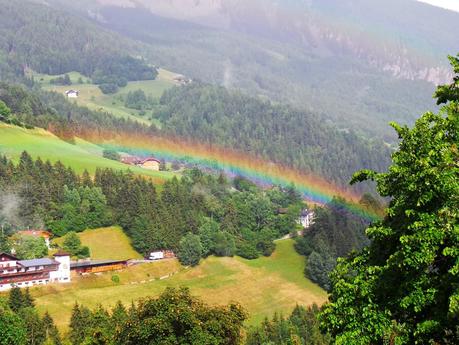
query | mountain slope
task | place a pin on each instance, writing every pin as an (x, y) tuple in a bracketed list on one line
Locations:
[(53, 42), (289, 53)]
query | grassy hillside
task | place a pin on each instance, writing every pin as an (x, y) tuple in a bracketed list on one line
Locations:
[(91, 96), (263, 286), (83, 155), (107, 243)]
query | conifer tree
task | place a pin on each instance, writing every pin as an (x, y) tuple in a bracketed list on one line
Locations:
[(52, 334), (28, 300), (15, 299)]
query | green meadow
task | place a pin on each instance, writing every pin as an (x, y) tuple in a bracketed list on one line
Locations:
[(83, 155), (106, 243), (263, 286), (91, 96)]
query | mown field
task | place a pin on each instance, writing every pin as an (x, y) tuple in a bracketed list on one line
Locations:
[(91, 96), (263, 286), (106, 243), (83, 155)]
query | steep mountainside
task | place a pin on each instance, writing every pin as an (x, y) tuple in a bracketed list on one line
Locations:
[(391, 35), (341, 58)]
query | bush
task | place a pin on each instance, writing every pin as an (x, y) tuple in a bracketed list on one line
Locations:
[(111, 154), (190, 250), (108, 88), (116, 279), (4, 110), (62, 80), (248, 251)]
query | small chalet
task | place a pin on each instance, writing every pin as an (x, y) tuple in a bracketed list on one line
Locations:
[(182, 80), (131, 160), (72, 93), (306, 218), (24, 273), (149, 163), (37, 233)]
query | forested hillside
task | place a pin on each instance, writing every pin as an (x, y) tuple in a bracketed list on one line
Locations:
[(53, 42), (214, 115), (279, 133), (196, 216)]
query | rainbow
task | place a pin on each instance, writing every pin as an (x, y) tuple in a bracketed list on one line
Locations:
[(233, 163)]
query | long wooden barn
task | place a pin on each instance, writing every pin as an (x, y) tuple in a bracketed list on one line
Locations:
[(98, 266)]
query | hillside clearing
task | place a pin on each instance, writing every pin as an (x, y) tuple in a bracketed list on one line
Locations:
[(81, 156), (107, 244), (92, 97), (263, 286)]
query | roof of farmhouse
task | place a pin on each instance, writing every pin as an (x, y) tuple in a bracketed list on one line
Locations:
[(95, 263), (38, 262)]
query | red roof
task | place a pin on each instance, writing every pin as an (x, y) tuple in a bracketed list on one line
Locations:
[(36, 233), (7, 256), (131, 160)]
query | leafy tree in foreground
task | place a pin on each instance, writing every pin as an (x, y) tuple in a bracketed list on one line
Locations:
[(404, 287), (178, 318)]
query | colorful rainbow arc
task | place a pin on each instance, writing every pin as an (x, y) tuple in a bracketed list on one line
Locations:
[(263, 172)]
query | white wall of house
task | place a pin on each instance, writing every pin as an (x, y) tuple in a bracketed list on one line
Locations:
[(5, 287), (62, 275)]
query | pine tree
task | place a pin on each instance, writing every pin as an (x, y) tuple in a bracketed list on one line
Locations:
[(52, 334), (15, 299), (28, 300)]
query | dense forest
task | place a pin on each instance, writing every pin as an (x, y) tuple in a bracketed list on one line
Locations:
[(195, 216), (279, 133), (148, 321), (302, 327), (53, 42)]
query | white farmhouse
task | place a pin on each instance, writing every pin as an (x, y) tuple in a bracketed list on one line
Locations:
[(27, 273), (306, 218), (72, 93)]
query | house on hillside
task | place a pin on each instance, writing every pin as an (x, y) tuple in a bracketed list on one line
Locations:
[(131, 160), (150, 164), (181, 79), (46, 235), (27, 273), (306, 218), (72, 93)]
